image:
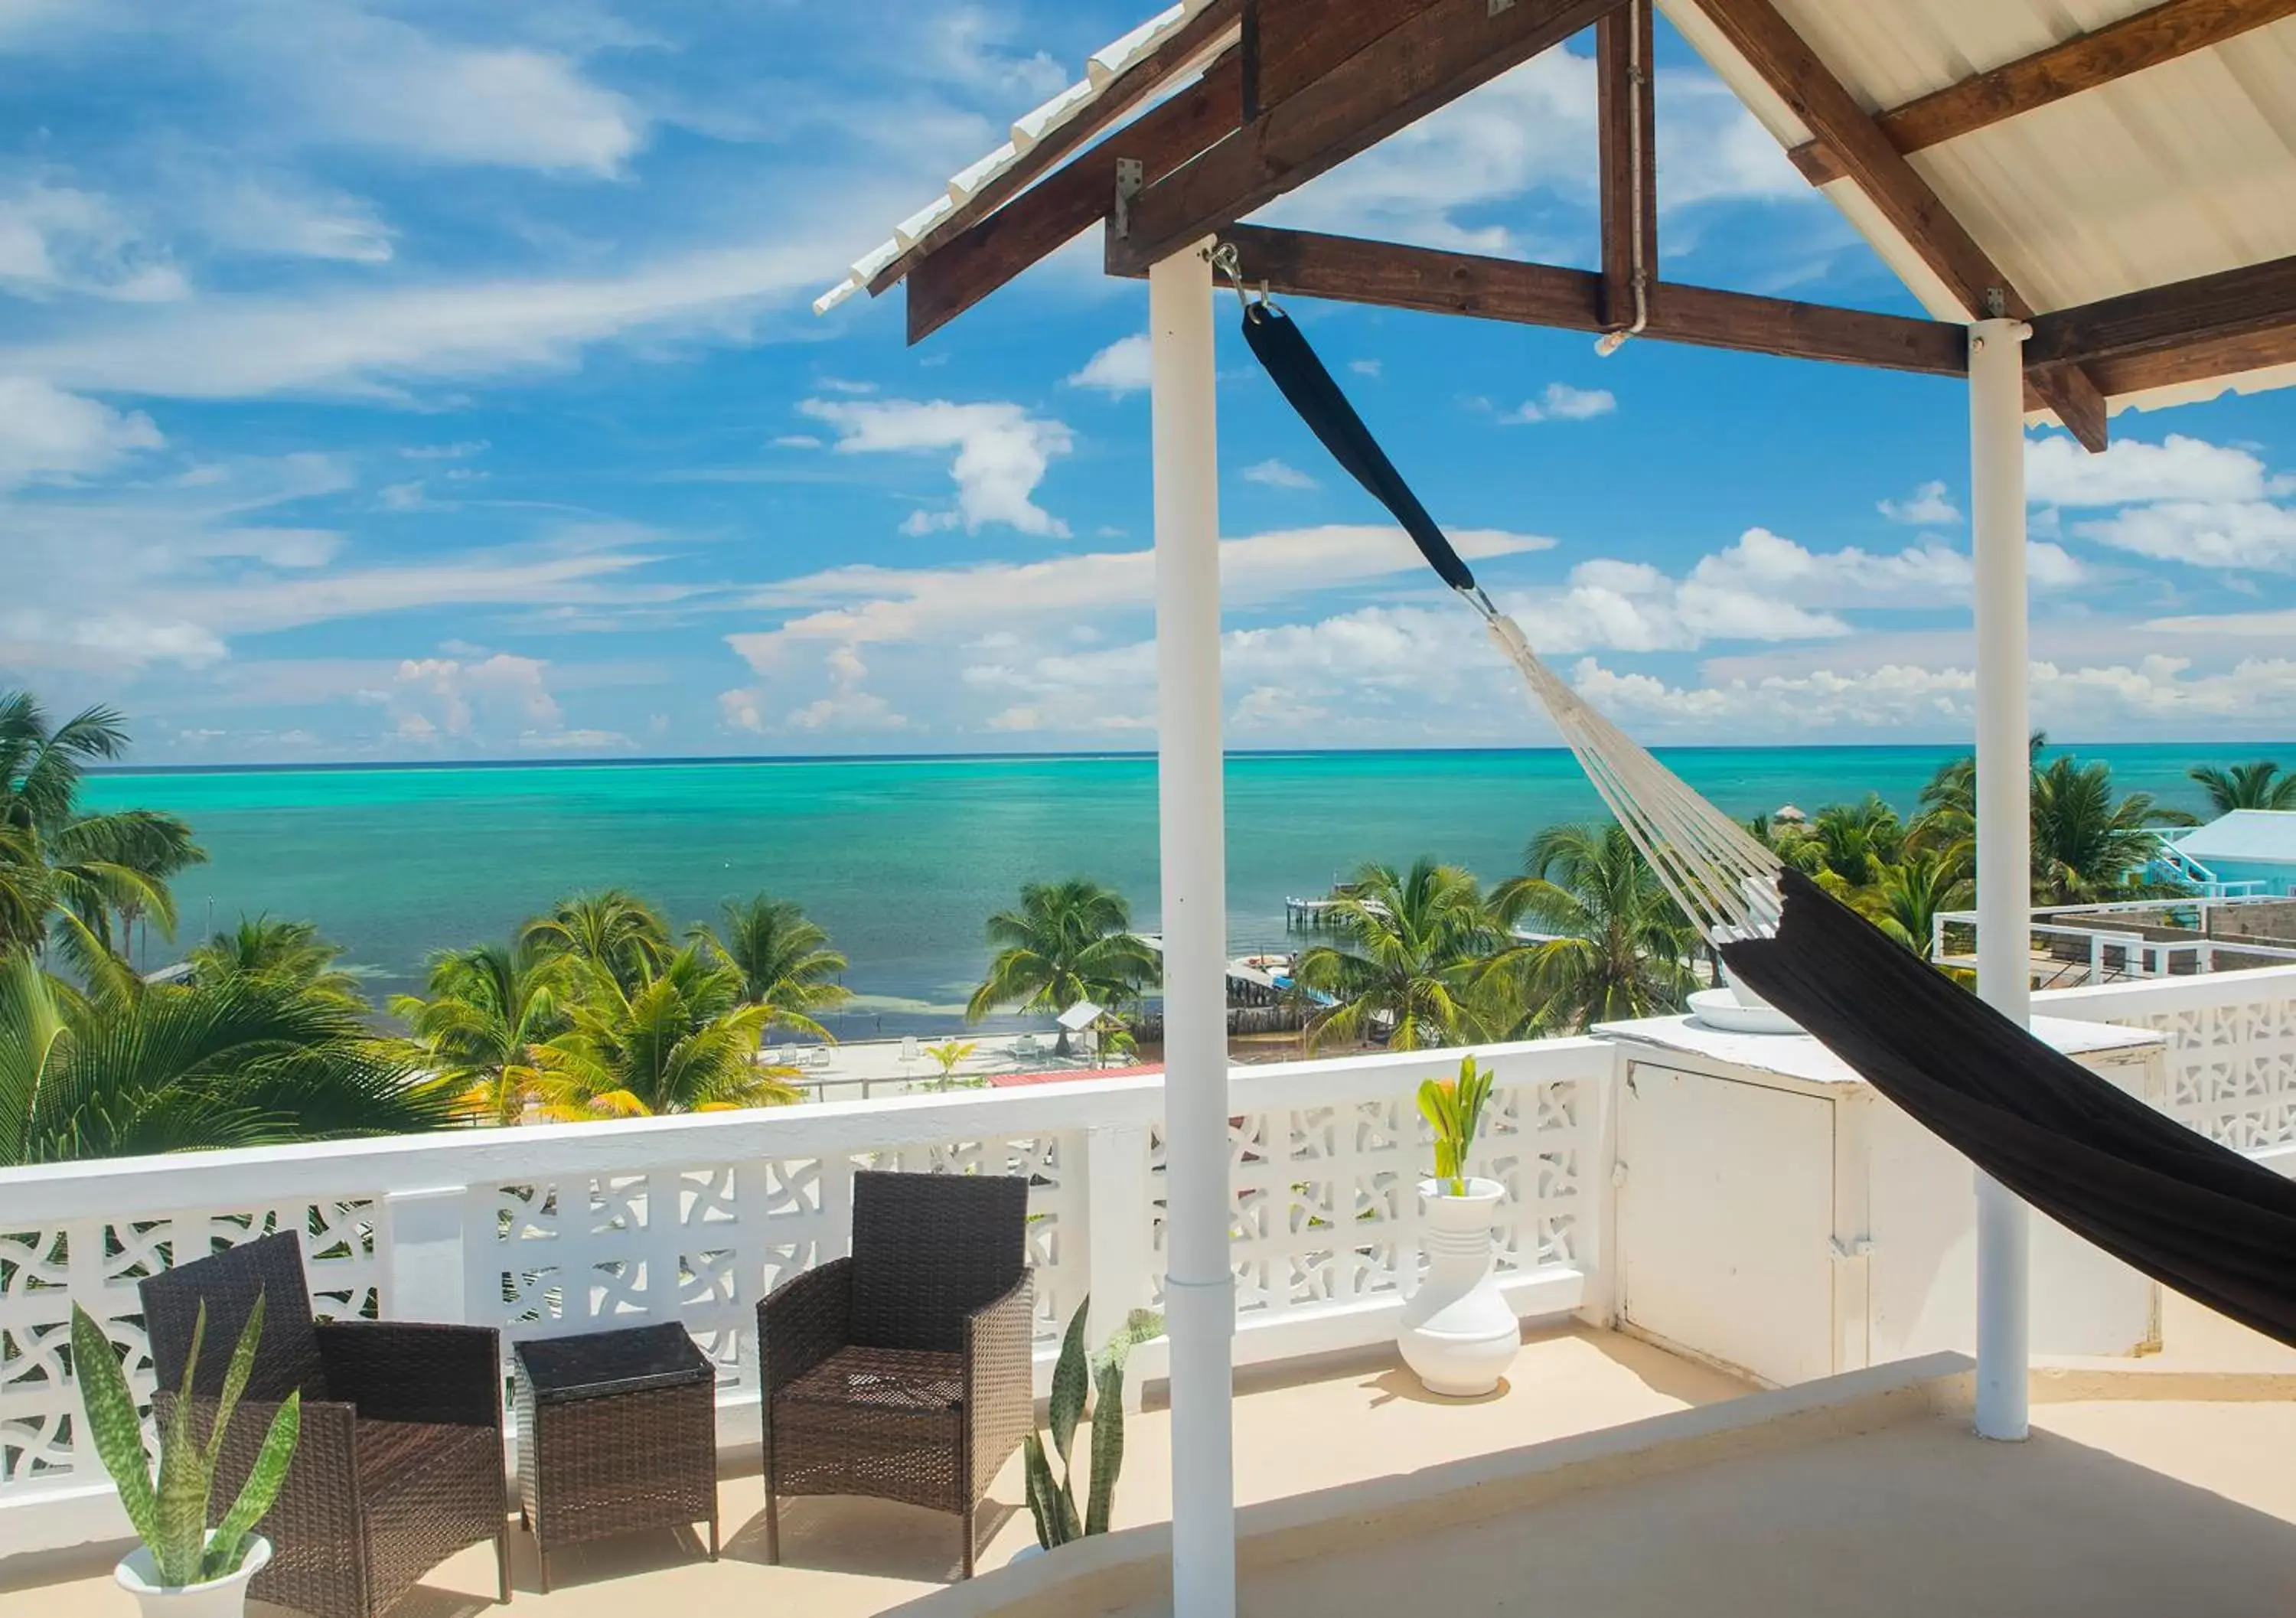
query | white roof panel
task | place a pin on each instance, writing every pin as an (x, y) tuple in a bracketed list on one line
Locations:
[(2251, 834)]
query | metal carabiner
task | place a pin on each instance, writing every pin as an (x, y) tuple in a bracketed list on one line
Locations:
[(1229, 263)]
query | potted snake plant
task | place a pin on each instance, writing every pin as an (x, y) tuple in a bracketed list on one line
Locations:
[(1053, 1504), (1457, 1334), (184, 1568)]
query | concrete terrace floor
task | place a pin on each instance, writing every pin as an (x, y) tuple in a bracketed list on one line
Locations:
[(1308, 1428)]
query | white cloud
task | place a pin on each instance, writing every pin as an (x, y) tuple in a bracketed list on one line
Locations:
[(2252, 535), (1562, 402), (1277, 474), (2156, 694), (356, 78), (866, 604), (1926, 574), (575, 741), (442, 698), (461, 450), (1118, 369), (1002, 453), (46, 433), (742, 709), (372, 342), (1365, 367), (59, 239), (797, 441), (1928, 503), (249, 214), (2058, 471)]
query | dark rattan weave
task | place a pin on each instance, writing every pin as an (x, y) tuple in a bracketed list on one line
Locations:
[(903, 1372), (401, 1462), (616, 1431)]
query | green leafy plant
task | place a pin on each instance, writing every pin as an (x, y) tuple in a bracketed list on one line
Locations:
[(949, 1055), (1074, 1375), (1454, 1109), (169, 1512)]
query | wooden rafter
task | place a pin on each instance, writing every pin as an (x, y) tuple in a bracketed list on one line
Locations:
[(966, 267), (1627, 137), (2083, 62), (1305, 264), (1116, 100), (1438, 54), (2211, 359), (1811, 90), (2231, 304)]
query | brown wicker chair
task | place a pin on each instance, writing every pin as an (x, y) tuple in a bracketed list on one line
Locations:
[(903, 1372), (400, 1464)]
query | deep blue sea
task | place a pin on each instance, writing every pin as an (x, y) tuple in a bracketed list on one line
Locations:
[(902, 859)]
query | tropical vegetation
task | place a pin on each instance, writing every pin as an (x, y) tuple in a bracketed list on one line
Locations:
[(2260, 785), (1068, 941), (1076, 1374)]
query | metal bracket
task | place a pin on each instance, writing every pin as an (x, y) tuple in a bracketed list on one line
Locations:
[(1130, 178), (1841, 1252), (1997, 303), (1498, 6), (1618, 1175)]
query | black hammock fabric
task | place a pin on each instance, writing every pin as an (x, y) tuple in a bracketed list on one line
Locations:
[(2193, 1215)]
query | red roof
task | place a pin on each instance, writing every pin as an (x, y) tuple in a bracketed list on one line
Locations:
[(1005, 1082)]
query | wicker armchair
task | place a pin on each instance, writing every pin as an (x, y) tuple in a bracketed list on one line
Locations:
[(401, 1461), (903, 1372)]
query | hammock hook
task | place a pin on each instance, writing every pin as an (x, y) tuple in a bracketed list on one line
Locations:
[(1229, 263)]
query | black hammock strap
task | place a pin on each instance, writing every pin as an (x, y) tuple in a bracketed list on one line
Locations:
[(2193, 1214)]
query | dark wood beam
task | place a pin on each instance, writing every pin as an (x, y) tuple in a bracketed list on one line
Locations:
[(2207, 360), (1124, 92), (1628, 138), (1811, 90), (2082, 63), (1303, 264), (1433, 58), (1302, 40), (2252, 301), (965, 268)]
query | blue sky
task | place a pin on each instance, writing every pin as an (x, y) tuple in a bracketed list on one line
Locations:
[(411, 381)]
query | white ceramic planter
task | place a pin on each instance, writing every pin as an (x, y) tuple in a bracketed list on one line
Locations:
[(1457, 1334), (224, 1598)]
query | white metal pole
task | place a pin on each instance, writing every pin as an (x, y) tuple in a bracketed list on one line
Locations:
[(2005, 833), (1199, 1285)]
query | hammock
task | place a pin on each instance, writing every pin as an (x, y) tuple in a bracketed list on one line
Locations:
[(2191, 1214)]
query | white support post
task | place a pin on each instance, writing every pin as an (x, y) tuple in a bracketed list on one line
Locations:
[(2004, 837), (1199, 1285)]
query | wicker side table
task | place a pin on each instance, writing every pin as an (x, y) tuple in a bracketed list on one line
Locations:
[(616, 1431)]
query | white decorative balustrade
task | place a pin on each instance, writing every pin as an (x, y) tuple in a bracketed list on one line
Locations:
[(2232, 1046), (575, 1228)]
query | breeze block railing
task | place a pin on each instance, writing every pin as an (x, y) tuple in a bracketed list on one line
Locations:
[(2232, 1046), (573, 1228)]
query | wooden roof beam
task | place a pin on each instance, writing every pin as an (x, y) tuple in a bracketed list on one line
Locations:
[(1627, 141), (1824, 104), (2083, 62), (1124, 92), (1435, 56), (963, 269), (1305, 264), (2230, 305)]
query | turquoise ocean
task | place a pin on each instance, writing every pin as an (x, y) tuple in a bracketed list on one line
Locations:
[(901, 858)]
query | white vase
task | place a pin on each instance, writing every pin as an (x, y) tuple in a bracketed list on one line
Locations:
[(224, 1598), (1458, 1334)]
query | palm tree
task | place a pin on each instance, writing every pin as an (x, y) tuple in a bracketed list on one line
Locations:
[(102, 872), (1069, 941), (1414, 946), (2260, 785), (1622, 947), (285, 952), (2087, 844), (1906, 897), (680, 1039), (488, 1007), (613, 930), (786, 962), (246, 1062), (1854, 840)]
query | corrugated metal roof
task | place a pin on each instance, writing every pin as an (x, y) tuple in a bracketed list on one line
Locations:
[(2180, 170), (2183, 169), (1100, 69), (2251, 834)]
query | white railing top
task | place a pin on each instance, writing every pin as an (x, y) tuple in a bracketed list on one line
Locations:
[(2145, 996), (136, 1188)]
